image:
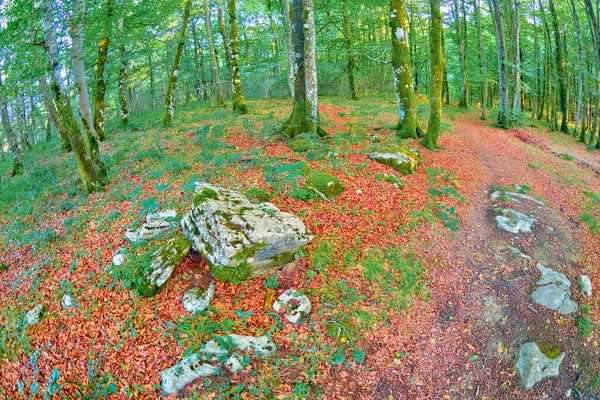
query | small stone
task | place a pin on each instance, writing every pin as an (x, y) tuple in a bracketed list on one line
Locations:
[(514, 221), (533, 365), (34, 316), (297, 305), (549, 276), (518, 252), (234, 364), (585, 284), (67, 301), (404, 160), (197, 300), (174, 379), (119, 258)]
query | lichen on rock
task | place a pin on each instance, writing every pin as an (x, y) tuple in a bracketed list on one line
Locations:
[(403, 159)]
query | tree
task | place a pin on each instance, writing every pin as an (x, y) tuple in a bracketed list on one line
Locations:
[(408, 123), (237, 97), (288, 44), (351, 66), (122, 83), (462, 50), (484, 88), (10, 135), (305, 114), (170, 95), (213, 55), (560, 68), (504, 120), (438, 65), (100, 73)]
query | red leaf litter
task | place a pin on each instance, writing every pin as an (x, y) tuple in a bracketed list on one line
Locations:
[(444, 347)]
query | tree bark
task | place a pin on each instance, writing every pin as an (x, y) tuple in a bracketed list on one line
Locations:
[(224, 35), (351, 64), (305, 116), (170, 95), (560, 68), (482, 61), (504, 120), (122, 84), (516, 25), (438, 65), (289, 46), (213, 55), (100, 75), (201, 87), (460, 39), (88, 170), (20, 114), (53, 115), (237, 97), (408, 123), (581, 67), (10, 135)]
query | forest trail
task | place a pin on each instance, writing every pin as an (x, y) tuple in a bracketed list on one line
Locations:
[(464, 342)]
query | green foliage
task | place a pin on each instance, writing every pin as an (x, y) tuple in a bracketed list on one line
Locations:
[(320, 186), (13, 337), (592, 222), (584, 325), (258, 194)]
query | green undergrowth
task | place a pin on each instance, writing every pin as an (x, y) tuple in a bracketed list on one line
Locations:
[(590, 211)]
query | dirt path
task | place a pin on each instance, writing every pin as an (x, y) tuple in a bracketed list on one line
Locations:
[(463, 342)]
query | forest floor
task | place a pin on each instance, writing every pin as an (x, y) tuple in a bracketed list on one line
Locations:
[(415, 293)]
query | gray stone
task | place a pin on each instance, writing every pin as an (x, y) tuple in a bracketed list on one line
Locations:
[(519, 253), (161, 216), (165, 259), (197, 300), (549, 276), (511, 196), (149, 231), (514, 221), (263, 346), (240, 239), (533, 365), (234, 364), (585, 285), (404, 161), (297, 305), (120, 257), (567, 307), (67, 301), (549, 296), (34, 316), (174, 379)]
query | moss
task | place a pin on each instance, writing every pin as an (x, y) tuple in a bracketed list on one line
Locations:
[(238, 274), (300, 146), (327, 184), (391, 178), (3, 267), (549, 349), (204, 195), (258, 194)]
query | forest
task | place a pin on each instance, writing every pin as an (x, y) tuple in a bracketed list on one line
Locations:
[(299, 199)]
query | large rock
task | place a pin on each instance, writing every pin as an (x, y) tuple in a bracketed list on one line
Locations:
[(240, 239), (514, 221), (175, 378), (585, 285), (164, 261), (549, 276), (533, 365), (402, 159), (197, 300), (554, 291), (156, 224), (549, 296)]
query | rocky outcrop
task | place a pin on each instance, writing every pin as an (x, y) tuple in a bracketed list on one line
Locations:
[(156, 225), (178, 376), (533, 365), (164, 261), (514, 221), (554, 291), (240, 239)]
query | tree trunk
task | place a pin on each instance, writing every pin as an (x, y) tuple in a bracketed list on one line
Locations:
[(123, 80), (170, 95), (88, 171), (77, 22), (438, 65), (213, 55), (351, 65), (560, 68), (224, 35), (516, 25), (305, 116), (237, 97), (408, 123), (21, 118), (201, 87), (581, 67), (482, 61), (100, 76), (289, 46), (10, 135), (460, 39), (504, 120), (53, 115)]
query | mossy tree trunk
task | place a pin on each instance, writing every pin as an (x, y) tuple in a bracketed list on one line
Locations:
[(408, 123), (201, 86), (213, 55), (595, 33), (504, 120), (560, 68), (10, 135), (170, 95), (122, 83), (237, 97), (289, 46), (462, 48), (484, 85), (305, 115), (100, 73), (88, 170), (351, 65), (53, 115), (438, 65)]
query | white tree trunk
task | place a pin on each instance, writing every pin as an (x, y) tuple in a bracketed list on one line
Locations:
[(310, 62), (289, 46)]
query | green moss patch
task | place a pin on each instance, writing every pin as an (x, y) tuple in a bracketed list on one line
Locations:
[(391, 178), (204, 195)]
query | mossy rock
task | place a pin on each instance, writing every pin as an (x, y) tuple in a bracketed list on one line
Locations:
[(327, 184), (391, 178), (401, 158), (300, 146), (204, 194)]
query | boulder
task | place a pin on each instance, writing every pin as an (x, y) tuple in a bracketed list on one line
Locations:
[(34, 316), (197, 300), (324, 185), (511, 196), (554, 291), (295, 303), (263, 346), (585, 285), (239, 239), (533, 365), (174, 379), (166, 215), (164, 261), (402, 159), (148, 231), (549, 276), (549, 296), (514, 222)]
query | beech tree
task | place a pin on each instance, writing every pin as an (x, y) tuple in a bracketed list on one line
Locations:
[(213, 55), (305, 114), (237, 97), (408, 123), (10, 135)]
